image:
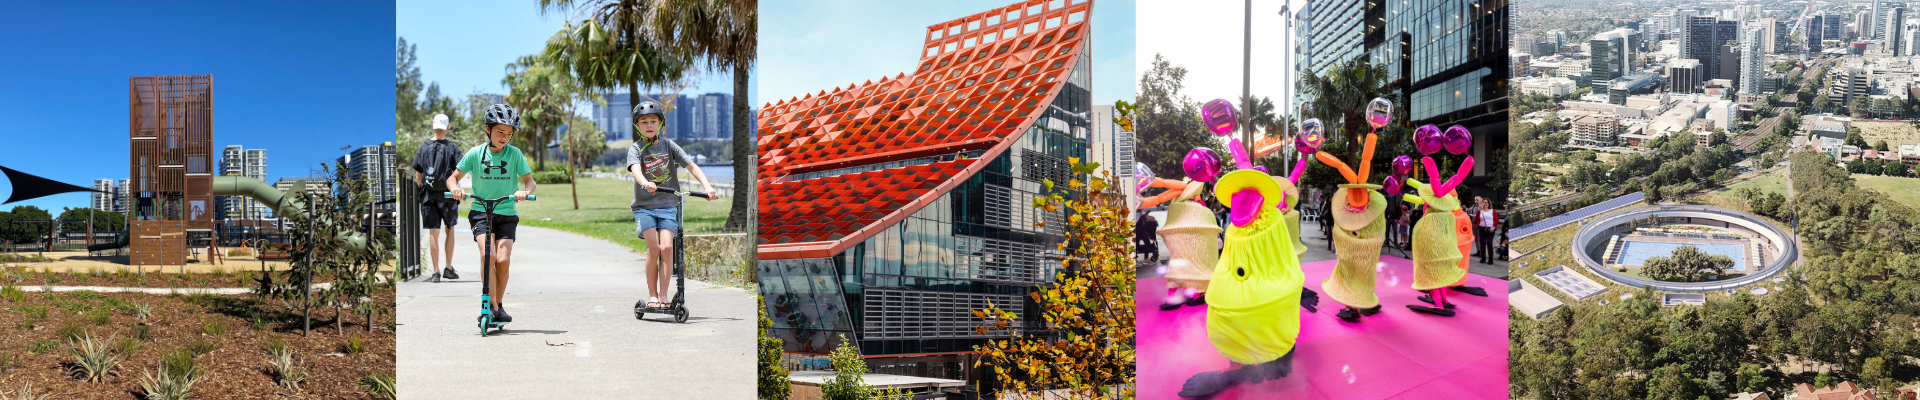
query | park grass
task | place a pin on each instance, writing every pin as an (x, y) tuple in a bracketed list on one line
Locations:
[(604, 212), (1895, 133), (1903, 190), (1771, 182)]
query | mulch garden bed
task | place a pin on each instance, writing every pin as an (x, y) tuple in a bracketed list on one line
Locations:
[(33, 350)]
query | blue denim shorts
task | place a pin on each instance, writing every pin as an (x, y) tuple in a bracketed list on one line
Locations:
[(655, 218)]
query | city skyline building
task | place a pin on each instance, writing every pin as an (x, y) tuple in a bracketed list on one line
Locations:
[(236, 160), (1753, 65)]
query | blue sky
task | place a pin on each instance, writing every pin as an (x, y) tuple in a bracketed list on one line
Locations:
[(465, 46), (808, 46), (300, 79)]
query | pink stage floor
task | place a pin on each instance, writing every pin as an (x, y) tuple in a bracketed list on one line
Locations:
[(1394, 354)]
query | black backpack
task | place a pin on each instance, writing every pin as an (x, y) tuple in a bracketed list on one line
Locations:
[(436, 178)]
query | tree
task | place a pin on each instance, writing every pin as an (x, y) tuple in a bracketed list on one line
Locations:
[(1751, 379), (1880, 145), (1686, 264), (774, 381), (103, 221), (1259, 116), (25, 224), (1340, 100), (1822, 103), (726, 35), (542, 94), (1854, 138), (847, 383), (1167, 122), (1091, 300)]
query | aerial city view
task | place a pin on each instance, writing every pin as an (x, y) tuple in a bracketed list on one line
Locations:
[(1715, 200)]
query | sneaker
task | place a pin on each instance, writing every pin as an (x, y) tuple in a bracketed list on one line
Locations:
[(500, 314), (449, 274), (434, 278)]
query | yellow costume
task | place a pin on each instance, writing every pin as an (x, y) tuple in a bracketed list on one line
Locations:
[(1359, 230), (1253, 307), (1193, 238), (1436, 249)]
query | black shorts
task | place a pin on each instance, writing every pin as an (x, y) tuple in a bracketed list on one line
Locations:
[(439, 214), (503, 225)]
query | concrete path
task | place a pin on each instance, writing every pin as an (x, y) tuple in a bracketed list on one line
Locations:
[(574, 335)]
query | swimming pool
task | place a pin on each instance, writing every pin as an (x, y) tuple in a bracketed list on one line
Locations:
[(1637, 252)]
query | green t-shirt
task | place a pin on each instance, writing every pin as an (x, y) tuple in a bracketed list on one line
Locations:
[(498, 175)]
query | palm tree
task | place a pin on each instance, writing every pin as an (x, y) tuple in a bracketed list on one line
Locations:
[(1258, 111), (725, 34), (1340, 100), (549, 95), (609, 48)]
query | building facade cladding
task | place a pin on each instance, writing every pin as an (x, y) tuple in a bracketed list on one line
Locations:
[(890, 209), (1446, 58), (1336, 38)]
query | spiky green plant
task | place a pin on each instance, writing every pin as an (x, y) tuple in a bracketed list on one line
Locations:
[(93, 359)]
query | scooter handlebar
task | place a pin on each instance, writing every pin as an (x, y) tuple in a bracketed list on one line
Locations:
[(530, 197)]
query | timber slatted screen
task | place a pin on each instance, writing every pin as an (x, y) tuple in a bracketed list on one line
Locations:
[(171, 164)]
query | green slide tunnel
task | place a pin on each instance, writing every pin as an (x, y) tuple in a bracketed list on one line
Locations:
[(280, 202)]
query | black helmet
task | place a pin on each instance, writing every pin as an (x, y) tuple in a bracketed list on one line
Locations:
[(504, 115), (648, 107)]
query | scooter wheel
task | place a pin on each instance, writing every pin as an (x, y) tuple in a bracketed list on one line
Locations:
[(485, 322), (680, 315)]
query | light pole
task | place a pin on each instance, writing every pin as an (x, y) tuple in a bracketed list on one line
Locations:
[(1246, 78), (1286, 74)]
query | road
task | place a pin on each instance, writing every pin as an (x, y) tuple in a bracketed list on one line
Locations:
[(574, 335)]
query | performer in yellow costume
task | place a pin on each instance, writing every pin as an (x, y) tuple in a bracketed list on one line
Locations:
[(1192, 236), (1253, 310), (1359, 230), (1438, 246)]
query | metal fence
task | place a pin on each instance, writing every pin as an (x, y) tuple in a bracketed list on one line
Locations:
[(408, 232)]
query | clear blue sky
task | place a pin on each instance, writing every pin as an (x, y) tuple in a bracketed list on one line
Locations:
[(808, 46), (465, 46), (300, 79)]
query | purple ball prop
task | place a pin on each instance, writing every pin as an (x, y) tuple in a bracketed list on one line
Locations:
[(1313, 133), (1142, 176), (1220, 117), (1262, 169), (1402, 165), (1428, 139), (1458, 139), (1202, 164), (1392, 185)]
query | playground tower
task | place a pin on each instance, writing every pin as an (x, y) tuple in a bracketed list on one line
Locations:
[(171, 130)]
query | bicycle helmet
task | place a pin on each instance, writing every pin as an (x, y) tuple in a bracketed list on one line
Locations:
[(648, 107), (504, 115)]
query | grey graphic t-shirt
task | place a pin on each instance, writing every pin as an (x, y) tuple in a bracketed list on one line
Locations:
[(657, 160)]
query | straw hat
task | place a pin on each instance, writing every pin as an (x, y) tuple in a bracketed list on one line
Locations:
[(1351, 219)]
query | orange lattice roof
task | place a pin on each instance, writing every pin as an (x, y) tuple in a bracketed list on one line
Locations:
[(981, 81)]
